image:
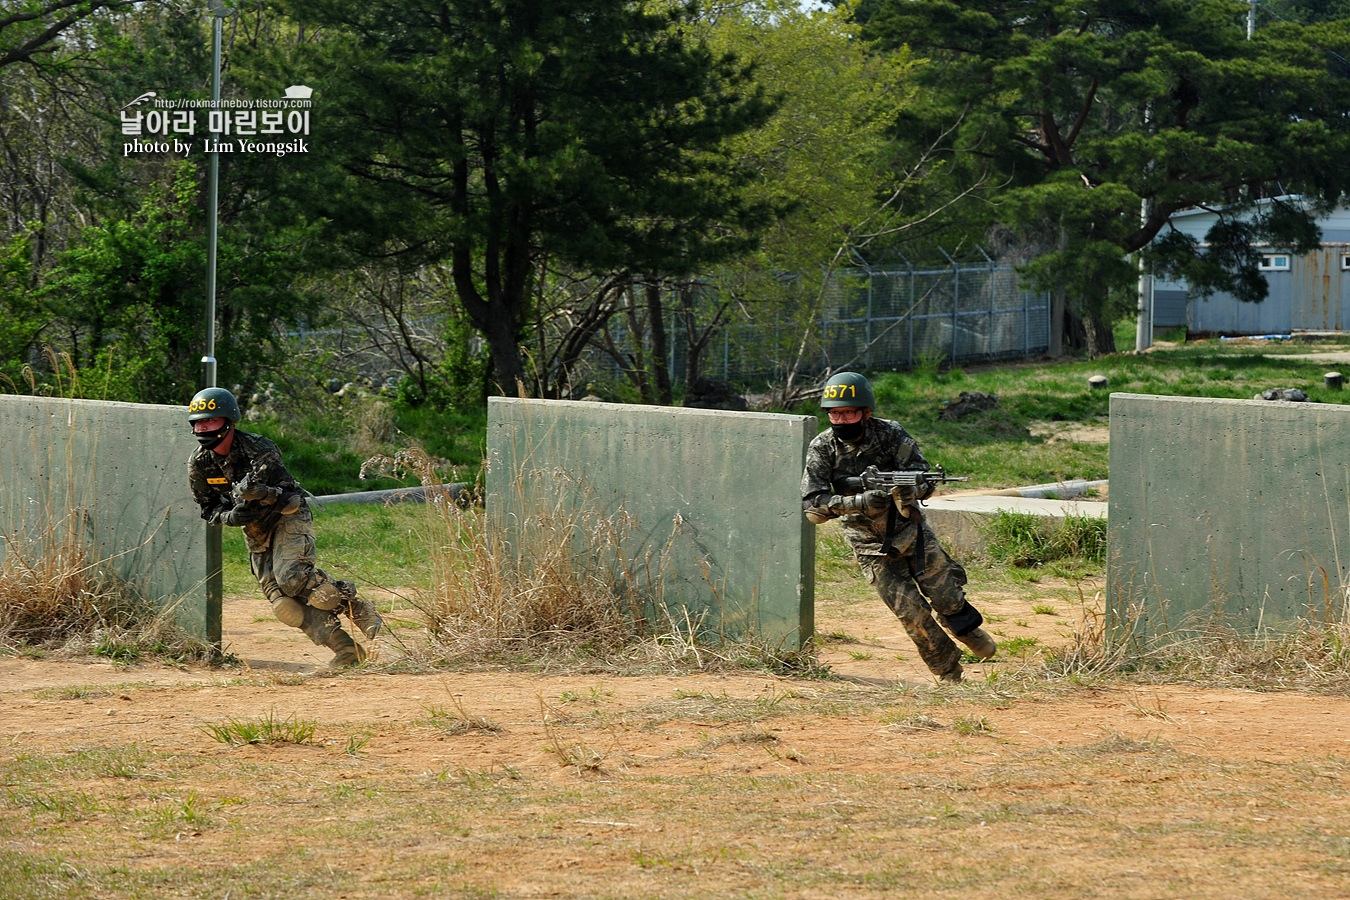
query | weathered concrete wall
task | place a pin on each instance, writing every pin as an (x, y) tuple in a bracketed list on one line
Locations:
[(1238, 509), (112, 476), (712, 501)]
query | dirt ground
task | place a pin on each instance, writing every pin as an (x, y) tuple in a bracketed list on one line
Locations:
[(873, 783)]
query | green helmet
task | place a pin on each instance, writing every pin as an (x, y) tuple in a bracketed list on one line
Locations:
[(847, 389), (211, 403)]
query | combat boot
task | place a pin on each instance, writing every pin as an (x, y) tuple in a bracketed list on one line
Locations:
[(951, 676), (363, 613), (347, 652), (980, 643)]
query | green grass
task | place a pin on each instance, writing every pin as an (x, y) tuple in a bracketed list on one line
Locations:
[(1025, 540), (267, 730), (369, 544), (317, 454), (319, 449)]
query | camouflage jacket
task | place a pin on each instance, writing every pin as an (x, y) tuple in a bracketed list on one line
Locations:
[(885, 445), (213, 478)]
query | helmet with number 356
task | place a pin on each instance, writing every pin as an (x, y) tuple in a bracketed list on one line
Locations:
[(847, 389), (212, 403)]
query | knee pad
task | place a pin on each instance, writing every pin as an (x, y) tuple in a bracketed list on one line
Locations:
[(964, 621), (325, 596), (288, 611)]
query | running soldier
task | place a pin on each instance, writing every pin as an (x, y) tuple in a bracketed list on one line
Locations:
[(895, 546), (239, 479)]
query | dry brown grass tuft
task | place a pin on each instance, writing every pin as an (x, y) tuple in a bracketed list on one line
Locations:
[(56, 595), (557, 583), (1312, 656), (558, 587)]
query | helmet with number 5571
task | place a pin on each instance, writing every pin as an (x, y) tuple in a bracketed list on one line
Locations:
[(847, 389)]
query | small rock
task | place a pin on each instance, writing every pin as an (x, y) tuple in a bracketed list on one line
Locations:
[(714, 393), (1293, 395), (967, 403)]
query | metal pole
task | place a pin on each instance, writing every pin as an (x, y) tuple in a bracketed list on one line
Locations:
[(910, 315), (867, 330), (215, 576), (1143, 330), (956, 298), (993, 298), (218, 12)]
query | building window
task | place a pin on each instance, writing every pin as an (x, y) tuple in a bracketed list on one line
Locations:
[(1275, 262), (1345, 262)]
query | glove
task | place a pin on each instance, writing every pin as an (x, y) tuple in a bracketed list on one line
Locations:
[(240, 515), (249, 490), (868, 503), (905, 495)]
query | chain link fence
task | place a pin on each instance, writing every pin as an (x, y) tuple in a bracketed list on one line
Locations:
[(887, 317)]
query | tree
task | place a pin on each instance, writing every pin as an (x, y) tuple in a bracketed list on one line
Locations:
[(31, 31), (826, 157), (1093, 111), (496, 133)]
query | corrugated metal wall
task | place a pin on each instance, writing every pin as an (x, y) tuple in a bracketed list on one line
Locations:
[(1318, 302), (1311, 296)]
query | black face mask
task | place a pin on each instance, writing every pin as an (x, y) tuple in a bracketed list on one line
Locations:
[(851, 432), (210, 440)]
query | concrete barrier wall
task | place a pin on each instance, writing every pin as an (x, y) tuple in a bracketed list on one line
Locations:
[(114, 477), (1235, 509), (712, 499)]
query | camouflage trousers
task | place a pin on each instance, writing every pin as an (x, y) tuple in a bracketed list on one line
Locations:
[(287, 567), (921, 595)]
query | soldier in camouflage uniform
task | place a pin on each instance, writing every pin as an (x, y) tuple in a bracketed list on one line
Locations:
[(895, 546), (239, 479)]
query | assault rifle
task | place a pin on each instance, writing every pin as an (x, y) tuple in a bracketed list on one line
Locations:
[(251, 488), (872, 479)]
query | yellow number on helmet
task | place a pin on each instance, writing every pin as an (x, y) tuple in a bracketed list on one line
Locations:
[(211, 404)]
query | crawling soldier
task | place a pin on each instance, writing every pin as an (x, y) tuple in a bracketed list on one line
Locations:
[(897, 549), (239, 479)]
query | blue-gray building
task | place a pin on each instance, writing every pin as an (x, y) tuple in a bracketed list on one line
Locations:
[(1307, 293)]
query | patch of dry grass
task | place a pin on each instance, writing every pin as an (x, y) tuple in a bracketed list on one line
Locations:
[(57, 596), (556, 589), (559, 582), (1314, 656)]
